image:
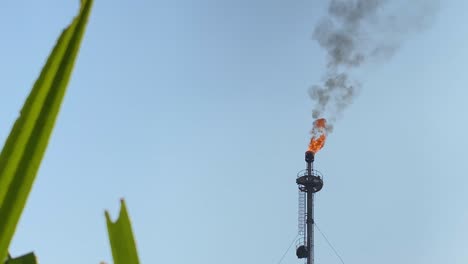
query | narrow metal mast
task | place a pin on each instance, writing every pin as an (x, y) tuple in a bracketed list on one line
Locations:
[(310, 182), (310, 227)]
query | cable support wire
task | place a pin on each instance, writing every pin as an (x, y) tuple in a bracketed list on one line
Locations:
[(328, 242), (287, 250)]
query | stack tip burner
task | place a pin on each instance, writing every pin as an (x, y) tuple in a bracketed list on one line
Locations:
[(310, 180)]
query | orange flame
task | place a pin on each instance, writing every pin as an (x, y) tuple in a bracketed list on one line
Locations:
[(319, 135)]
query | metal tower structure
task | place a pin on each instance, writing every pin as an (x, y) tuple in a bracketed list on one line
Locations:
[(309, 182)]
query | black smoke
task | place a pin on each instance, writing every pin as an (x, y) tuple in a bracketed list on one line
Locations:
[(355, 32)]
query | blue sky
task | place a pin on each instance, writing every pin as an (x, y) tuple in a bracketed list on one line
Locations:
[(197, 113)]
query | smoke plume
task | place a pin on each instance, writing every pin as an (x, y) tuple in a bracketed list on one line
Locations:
[(355, 32)]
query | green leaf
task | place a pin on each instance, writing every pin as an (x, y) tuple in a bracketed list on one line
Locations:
[(26, 259), (27, 142), (121, 238)]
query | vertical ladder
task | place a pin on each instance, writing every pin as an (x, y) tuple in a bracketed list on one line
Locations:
[(302, 215)]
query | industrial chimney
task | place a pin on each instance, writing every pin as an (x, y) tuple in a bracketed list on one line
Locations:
[(309, 182)]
